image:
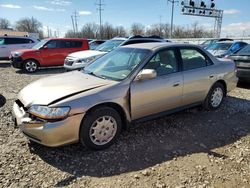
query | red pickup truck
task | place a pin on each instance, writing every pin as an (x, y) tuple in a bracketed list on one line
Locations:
[(48, 52)]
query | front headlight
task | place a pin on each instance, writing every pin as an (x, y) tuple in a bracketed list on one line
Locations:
[(45, 112), (17, 54), (86, 60)]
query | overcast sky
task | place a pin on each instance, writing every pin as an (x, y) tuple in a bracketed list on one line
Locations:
[(57, 13)]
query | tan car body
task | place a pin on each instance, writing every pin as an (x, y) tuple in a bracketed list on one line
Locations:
[(134, 99)]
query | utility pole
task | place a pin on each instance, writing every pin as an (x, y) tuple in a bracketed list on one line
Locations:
[(75, 15), (172, 17), (73, 24), (100, 9)]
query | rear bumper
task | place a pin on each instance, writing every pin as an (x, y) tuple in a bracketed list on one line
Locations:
[(16, 62), (50, 134)]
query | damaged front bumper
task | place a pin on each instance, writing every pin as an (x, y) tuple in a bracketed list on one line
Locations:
[(52, 134)]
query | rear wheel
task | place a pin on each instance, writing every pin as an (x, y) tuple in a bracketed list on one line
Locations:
[(100, 128), (30, 65), (215, 97)]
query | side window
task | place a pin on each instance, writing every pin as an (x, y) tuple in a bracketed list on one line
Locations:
[(70, 44), (163, 62), (11, 41), (52, 44), (193, 59), (2, 41), (76, 44)]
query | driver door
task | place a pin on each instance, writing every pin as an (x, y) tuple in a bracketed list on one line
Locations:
[(149, 97)]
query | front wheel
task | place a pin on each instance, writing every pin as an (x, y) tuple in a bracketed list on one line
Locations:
[(100, 128), (215, 97), (30, 65)]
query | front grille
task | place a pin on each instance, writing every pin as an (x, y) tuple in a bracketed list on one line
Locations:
[(69, 62)]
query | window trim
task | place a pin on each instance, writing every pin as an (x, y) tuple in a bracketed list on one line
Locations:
[(207, 58)]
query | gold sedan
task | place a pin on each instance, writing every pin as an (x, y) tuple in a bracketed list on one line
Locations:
[(131, 83)]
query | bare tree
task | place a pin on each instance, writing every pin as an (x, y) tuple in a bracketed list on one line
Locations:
[(90, 30), (120, 31), (137, 29), (30, 25), (4, 23)]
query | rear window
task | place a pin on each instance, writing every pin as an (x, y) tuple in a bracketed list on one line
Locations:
[(220, 46), (70, 44)]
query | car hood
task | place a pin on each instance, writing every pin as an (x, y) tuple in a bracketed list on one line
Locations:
[(217, 52), (24, 50), (55, 88), (86, 54)]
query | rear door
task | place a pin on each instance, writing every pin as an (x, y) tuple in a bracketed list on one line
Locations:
[(198, 74), (4, 52), (162, 93)]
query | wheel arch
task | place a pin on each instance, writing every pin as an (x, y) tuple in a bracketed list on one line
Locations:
[(33, 60), (224, 85), (116, 107)]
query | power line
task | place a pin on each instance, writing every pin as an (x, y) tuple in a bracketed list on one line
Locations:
[(172, 16), (100, 9)]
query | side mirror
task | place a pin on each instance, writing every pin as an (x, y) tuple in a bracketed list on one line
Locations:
[(45, 47), (146, 74)]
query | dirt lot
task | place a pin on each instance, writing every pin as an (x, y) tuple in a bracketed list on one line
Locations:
[(193, 148)]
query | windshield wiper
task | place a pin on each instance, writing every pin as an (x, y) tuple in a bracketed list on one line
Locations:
[(96, 75)]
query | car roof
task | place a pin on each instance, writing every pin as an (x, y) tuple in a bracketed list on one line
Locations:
[(66, 39), (157, 45), (225, 42)]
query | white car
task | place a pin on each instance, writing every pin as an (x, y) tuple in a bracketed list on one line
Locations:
[(80, 59), (11, 43)]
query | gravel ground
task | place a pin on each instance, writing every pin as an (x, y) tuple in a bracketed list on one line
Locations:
[(193, 148)]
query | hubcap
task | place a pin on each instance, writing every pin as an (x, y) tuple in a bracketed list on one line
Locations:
[(103, 130), (217, 97), (31, 66)]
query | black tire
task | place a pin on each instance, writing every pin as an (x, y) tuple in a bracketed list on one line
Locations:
[(90, 121), (30, 65), (209, 103)]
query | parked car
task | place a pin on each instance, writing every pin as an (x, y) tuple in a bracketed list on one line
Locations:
[(10, 43), (242, 60), (132, 83), (210, 42), (222, 49), (95, 43), (48, 52), (80, 59)]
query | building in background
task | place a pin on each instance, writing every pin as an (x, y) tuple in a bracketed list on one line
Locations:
[(18, 33)]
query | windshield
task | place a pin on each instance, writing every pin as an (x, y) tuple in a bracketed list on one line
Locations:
[(245, 51), (208, 42), (109, 45), (118, 64), (40, 44), (220, 46)]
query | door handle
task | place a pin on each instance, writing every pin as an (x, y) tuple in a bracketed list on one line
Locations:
[(3, 47), (176, 84)]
